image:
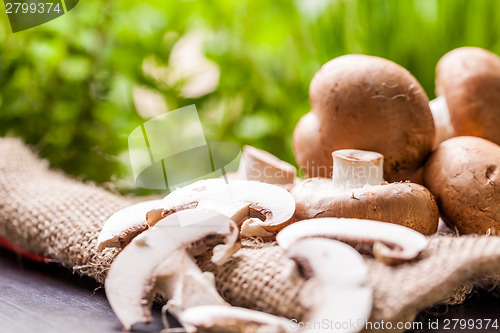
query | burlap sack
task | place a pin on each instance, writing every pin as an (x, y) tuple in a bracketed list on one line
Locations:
[(47, 213)]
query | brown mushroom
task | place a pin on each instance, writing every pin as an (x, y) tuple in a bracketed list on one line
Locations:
[(368, 103), (464, 176), (358, 190), (468, 83)]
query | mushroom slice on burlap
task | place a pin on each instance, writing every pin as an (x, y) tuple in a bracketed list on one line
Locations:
[(337, 284), (124, 225), (259, 165), (161, 253), (392, 244), (259, 209), (336, 291), (217, 318)]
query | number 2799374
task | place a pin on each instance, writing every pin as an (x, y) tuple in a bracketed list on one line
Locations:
[(18, 7)]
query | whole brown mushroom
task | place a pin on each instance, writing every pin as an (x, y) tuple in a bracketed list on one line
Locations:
[(468, 85), (464, 176), (367, 103), (358, 190)]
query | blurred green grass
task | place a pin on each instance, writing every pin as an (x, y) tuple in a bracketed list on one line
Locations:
[(67, 87)]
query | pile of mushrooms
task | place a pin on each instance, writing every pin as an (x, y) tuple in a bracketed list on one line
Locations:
[(351, 141), (462, 172)]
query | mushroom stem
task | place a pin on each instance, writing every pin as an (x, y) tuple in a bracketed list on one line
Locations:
[(441, 115), (356, 168)]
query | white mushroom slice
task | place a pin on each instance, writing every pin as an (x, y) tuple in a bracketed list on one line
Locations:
[(231, 319), (124, 225), (131, 278), (184, 285), (337, 286), (259, 209), (392, 243), (262, 166), (240, 200)]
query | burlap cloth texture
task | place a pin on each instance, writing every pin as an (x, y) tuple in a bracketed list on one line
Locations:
[(46, 212)]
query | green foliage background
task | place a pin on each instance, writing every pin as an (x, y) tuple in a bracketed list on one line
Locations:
[(66, 86)]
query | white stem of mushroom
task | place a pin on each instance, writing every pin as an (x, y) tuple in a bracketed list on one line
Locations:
[(441, 114), (356, 168)]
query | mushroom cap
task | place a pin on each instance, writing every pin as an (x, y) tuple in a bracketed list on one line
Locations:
[(469, 79), (367, 103), (407, 204), (463, 173), (312, 156)]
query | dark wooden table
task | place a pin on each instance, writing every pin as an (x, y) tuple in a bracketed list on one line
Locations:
[(47, 298)]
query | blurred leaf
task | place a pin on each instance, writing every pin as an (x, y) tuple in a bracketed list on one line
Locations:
[(66, 86)]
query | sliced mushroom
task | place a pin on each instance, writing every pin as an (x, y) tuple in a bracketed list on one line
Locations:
[(124, 225), (337, 284), (179, 280), (468, 103), (336, 290), (259, 165), (358, 190), (216, 318), (259, 209), (463, 173), (368, 103), (392, 244), (160, 252)]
